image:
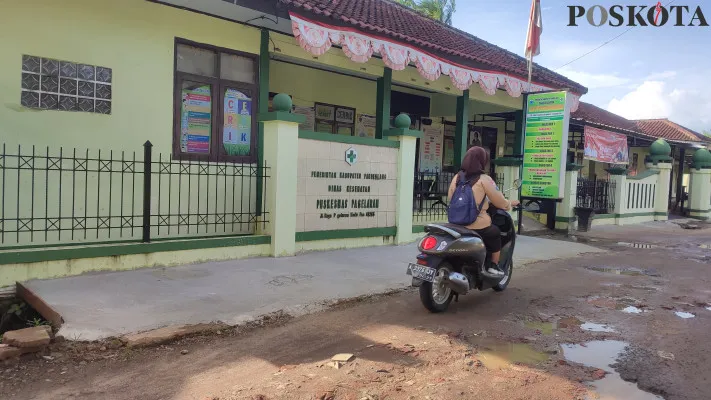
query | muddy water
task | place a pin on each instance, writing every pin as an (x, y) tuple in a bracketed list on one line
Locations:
[(684, 315), (600, 354), (495, 354), (591, 327)]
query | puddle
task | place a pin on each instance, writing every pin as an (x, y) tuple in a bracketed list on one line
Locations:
[(708, 308), (591, 327), (496, 354), (623, 271), (632, 310), (546, 328), (684, 315), (637, 245), (600, 354), (705, 246)]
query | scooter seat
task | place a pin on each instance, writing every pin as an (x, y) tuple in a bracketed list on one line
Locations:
[(462, 230)]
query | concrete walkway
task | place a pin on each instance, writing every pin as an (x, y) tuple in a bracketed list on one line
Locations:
[(100, 305)]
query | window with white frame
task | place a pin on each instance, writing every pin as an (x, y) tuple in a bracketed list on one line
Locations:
[(50, 84)]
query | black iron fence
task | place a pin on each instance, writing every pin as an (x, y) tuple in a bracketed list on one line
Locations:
[(59, 196), (597, 194), (430, 196)]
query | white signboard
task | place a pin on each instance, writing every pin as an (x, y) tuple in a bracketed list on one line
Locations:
[(431, 146), (345, 186)]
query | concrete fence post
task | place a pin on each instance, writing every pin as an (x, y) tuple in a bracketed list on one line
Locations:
[(509, 168), (660, 160), (405, 175), (700, 186), (281, 145), (565, 210), (619, 179)]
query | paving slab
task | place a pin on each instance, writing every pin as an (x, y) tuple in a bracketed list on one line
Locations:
[(99, 305)]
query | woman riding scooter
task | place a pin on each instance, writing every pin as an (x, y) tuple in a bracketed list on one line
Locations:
[(475, 161)]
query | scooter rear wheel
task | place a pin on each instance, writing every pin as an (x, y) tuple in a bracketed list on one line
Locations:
[(436, 296)]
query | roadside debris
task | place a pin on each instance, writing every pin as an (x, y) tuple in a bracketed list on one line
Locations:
[(338, 360)]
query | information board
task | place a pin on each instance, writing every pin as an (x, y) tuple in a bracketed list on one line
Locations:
[(546, 144)]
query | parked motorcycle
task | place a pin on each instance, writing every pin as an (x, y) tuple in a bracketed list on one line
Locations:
[(453, 259)]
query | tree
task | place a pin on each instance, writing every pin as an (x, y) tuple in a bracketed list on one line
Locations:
[(441, 10)]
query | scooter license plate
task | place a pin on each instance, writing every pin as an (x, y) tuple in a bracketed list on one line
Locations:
[(421, 272)]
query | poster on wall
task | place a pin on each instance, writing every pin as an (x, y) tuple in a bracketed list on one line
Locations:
[(196, 120), (431, 149), (448, 157), (366, 126), (309, 113), (546, 145), (237, 132), (605, 146)]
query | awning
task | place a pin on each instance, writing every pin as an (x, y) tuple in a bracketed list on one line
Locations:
[(317, 38)]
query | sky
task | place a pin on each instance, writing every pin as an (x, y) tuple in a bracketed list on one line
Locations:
[(648, 72)]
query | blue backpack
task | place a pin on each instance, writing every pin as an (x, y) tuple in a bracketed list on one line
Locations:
[(462, 209)]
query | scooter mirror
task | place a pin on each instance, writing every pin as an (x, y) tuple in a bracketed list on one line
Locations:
[(517, 184)]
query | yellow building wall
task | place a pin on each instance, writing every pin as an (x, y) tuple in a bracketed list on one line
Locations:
[(135, 38), (309, 85)]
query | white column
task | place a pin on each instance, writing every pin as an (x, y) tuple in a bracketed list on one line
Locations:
[(281, 150), (405, 175), (661, 199), (565, 209), (510, 174), (620, 196), (700, 193)]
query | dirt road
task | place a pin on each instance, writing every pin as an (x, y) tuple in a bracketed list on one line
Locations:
[(551, 335)]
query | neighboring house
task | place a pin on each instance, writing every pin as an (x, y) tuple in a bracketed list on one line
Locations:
[(684, 143)]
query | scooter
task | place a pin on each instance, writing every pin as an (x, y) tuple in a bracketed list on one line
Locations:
[(453, 258)]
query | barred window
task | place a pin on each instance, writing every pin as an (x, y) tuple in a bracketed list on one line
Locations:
[(50, 84), (216, 93)]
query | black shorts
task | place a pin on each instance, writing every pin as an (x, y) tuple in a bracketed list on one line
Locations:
[(491, 235)]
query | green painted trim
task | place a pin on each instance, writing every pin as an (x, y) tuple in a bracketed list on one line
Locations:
[(697, 211), (330, 137), (643, 214), (84, 244), (461, 134), (520, 129), (282, 116), (418, 229), (395, 132), (573, 167), (700, 166), (382, 102), (617, 170), (508, 161), (344, 234), (645, 174), (565, 219), (17, 257), (605, 216), (263, 107)]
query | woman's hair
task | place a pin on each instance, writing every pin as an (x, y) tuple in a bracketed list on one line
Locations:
[(475, 161)]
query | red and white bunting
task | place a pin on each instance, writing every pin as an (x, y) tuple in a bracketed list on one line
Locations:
[(317, 39)]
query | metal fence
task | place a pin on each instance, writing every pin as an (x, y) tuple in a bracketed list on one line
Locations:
[(597, 194), (59, 196), (430, 196)]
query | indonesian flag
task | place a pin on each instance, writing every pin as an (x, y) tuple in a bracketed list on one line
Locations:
[(533, 38)]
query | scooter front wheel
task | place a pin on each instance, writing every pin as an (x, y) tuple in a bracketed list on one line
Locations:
[(436, 296)]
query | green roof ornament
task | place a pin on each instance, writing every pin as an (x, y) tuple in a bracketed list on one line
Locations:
[(659, 151), (701, 159), (403, 121), (282, 103)]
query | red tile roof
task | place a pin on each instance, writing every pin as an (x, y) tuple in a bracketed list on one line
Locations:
[(663, 128), (596, 115), (390, 19)]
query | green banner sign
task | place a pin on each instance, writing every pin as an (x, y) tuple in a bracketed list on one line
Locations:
[(547, 119)]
